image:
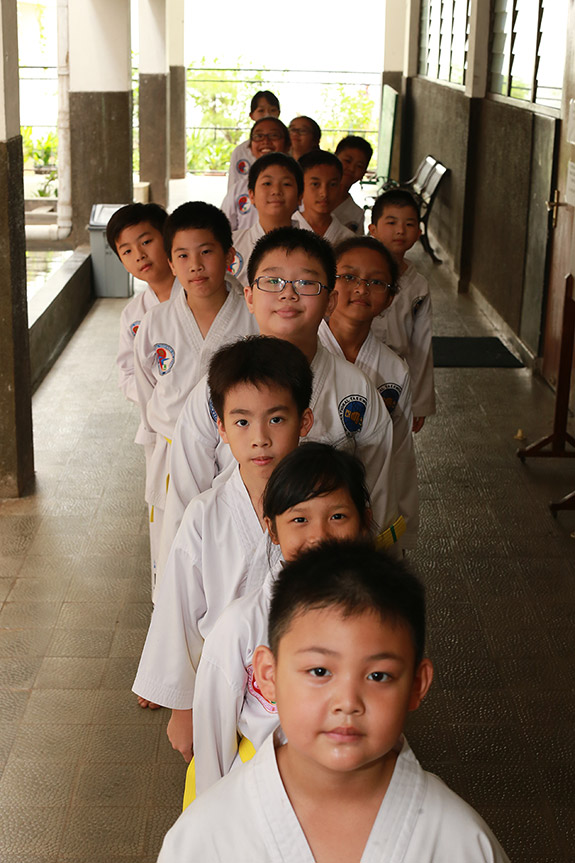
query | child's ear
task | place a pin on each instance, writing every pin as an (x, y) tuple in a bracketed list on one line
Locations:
[(172, 267), (331, 304), (421, 683), (222, 431), (251, 197), (372, 230), (271, 530), (264, 665), (230, 255), (306, 422), (249, 297)]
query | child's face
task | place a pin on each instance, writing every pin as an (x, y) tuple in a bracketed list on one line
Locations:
[(356, 300), (261, 425), (267, 137), (264, 109), (302, 137), (275, 193), (328, 516), (354, 165), (321, 189), (141, 250), (199, 262), (288, 315), (397, 228), (343, 688)]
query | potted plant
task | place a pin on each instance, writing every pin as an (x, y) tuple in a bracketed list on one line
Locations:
[(43, 153)]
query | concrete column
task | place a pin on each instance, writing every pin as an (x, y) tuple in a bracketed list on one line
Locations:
[(100, 107), (154, 100), (177, 87), (16, 446)]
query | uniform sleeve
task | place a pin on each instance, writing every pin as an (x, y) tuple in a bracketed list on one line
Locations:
[(405, 466), (229, 207), (125, 358), (420, 360), (218, 700), (374, 446), (167, 670), (144, 358)]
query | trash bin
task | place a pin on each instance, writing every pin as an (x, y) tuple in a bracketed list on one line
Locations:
[(110, 277)]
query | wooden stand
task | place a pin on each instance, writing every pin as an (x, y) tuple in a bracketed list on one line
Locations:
[(554, 445)]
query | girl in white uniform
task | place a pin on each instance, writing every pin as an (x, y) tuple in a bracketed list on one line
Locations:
[(264, 104), (316, 493)]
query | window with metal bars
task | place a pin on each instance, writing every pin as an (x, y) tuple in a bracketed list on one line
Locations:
[(528, 50), (443, 39)]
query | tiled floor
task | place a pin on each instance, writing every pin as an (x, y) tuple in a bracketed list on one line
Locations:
[(88, 777)]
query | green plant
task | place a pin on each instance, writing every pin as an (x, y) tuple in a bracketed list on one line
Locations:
[(27, 143), (44, 150), (48, 188)]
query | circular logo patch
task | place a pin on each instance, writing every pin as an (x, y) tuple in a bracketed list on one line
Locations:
[(212, 410), (243, 166), (165, 357), (134, 327), (390, 393), (236, 266), (256, 692), (244, 204), (351, 412)]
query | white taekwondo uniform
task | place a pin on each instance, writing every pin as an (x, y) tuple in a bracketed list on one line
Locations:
[(247, 817), (348, 414), (390, 375), (244, 242), (351, 215), (227, 700), (238, 207), (406, 327), (170, 357), (241, 161), (335, 233), (219, 540)]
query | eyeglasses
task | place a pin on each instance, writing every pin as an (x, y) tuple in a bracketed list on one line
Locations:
[(376, 285), (294, 130), (302, 287), (271, 136)]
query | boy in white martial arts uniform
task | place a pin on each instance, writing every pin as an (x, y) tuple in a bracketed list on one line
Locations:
[(406, 326), (264, 104), (275, 187), (261, 389), (355, 155), (305, 135), (366, 285), (337, 782), (316, 493), (348, 411), (176, 339), (135, 233), (267, 136), (322, 173)]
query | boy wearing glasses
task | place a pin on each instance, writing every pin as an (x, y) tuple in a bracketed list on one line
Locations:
[(268, 135), (291, 280), (366, 284)]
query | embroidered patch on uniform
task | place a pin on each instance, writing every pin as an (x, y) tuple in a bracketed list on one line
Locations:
[(390, 393), (134, 327), (244, 204), (254, 690), (416, 305), (236, 265), (213, 413), (165, 355), (351, 412), (243, 166)]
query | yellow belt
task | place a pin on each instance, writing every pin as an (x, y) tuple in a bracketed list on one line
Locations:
[(391, 535)]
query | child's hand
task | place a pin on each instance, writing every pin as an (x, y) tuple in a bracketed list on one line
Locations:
[(180, 733), (417, 424)]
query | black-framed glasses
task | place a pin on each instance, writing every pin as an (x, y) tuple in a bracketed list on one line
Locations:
[(270, 136), (302, 287), (375, 285)]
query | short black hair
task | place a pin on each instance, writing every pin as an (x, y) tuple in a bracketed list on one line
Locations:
[(353, 577), (376, 246), (315, 127), (320, 157), (197, 215), (355, 142), (281, 126), (281, 159), (292, 240), (260, 360), (394, 198), (268, 96), (311, 470), (133, 214)]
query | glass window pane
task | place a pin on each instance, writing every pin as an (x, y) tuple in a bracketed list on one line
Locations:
[(551, 53), (524, 48)]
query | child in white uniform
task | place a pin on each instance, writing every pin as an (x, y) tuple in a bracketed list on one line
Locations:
[(322, 173), (355, 155), (176, 339), (337, 781), (349, 413), (275, 187), (316, 493), (261, 389), (406, 326), (366, 285), (264, 104), (267, 136)]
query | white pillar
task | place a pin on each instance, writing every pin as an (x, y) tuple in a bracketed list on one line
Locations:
[(154, 99), (177, 88)]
